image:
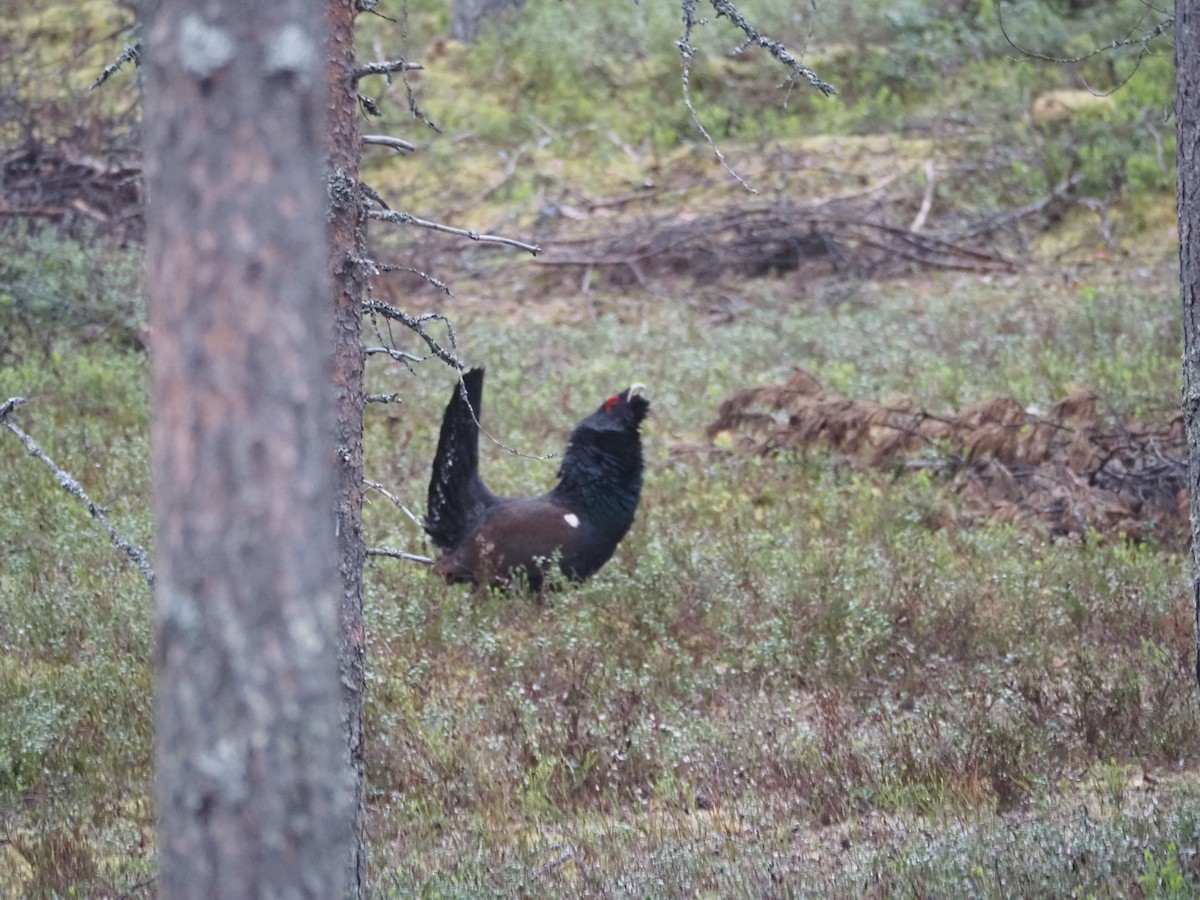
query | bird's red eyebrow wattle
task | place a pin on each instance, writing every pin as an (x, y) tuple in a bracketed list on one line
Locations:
[(611, 402)]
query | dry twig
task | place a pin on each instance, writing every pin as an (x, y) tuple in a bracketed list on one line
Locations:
[(399, 554), (403, 218)]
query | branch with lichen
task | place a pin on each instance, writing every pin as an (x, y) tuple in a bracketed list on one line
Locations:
[(727, 10), (416, 324), (753, 37), (136, 554), (386, 68), (402, 218), (131, 54)]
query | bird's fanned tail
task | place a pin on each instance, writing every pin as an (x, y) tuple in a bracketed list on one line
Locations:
[(456, 493)]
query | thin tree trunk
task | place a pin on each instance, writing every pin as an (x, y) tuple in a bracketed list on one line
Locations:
[(252, 797), (1187, 118), (347, 279)]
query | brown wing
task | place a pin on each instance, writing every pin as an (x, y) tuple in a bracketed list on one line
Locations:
[(517, 534)]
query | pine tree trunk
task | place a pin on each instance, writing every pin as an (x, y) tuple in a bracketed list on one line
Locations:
[(1187, 117), (346, 246), (252, 793)]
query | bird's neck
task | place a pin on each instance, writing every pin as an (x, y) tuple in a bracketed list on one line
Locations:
[(604, 486)]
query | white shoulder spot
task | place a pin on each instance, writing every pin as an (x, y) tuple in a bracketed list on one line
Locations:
[(572, 520)]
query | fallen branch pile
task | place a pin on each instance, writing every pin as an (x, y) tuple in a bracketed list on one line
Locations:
[(1068, 471), (852, 236), (73, 190)]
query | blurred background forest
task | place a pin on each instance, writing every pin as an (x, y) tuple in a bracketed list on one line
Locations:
[(905, 610)]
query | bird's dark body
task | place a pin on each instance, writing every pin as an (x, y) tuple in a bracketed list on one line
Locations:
[(488, 539)]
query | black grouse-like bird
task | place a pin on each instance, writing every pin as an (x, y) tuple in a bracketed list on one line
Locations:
[(486, 539)]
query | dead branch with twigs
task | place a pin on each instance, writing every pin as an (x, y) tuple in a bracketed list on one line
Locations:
[(751, 37), (1070, 471)]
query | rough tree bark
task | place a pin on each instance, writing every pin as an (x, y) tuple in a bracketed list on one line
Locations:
[(252, 787), (347, 279), (1187, 119)]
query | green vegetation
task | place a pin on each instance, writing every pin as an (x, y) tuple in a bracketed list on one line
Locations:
[(50, 289), (554, 94), (784, 656), (790, 679), (76, 697), (50, 53)]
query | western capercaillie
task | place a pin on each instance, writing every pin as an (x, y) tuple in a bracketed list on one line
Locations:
[(488, 539)]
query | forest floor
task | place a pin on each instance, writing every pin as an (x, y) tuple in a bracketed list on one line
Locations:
[(906, 608)]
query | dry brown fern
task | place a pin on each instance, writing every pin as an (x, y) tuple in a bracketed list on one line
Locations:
[(1069, 471)]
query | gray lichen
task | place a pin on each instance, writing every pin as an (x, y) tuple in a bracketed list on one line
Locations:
[(291, 51), (203, 48)]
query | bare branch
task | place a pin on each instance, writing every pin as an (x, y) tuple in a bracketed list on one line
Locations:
[(386, 140), (402, 218), (136, 554), (1144, 39), (369, 7), (381, 267), (753, 37), (499, 443), (927, 201), (375, 486), (399, 554), (375, 311), (397, 355), (373, 195), (859, 232), (409, 94), (995, 222)]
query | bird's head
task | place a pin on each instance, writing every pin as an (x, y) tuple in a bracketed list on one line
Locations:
[(620, 412), (602, 469)]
